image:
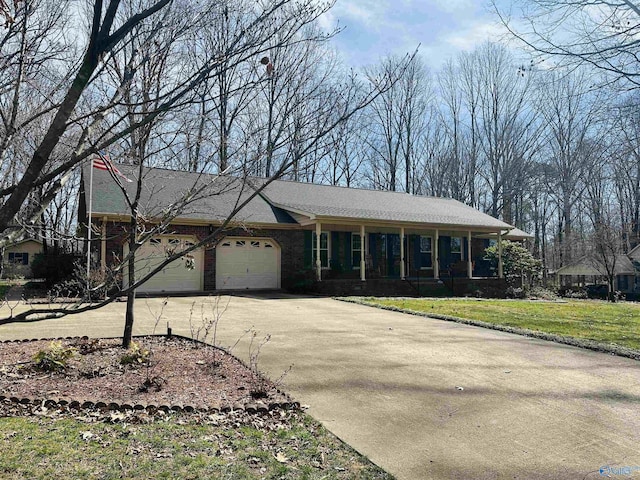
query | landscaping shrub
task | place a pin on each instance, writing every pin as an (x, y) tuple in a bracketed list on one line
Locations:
[(54, 358), (54, 268), (515, 292), (76, 285), (135, 355), (543, 293)]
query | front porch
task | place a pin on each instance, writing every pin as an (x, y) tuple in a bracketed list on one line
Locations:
[(405, 255)]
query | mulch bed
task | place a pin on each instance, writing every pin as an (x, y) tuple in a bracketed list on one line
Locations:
[(180, 374)]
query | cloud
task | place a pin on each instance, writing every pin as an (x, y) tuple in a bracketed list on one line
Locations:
[(471, 36), (454, 6), (443, 28)]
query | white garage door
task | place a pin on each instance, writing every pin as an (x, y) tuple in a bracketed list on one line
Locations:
[(247, 263), (175, 277)]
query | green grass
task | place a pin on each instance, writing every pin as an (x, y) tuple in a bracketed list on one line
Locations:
[(608, 323), (43, 448)]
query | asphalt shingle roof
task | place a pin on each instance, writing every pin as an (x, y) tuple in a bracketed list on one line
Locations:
[(594, 266), (161, 188), (164, 187), (352, 203)]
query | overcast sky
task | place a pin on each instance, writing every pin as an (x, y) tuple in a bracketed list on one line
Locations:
[(375, 28)]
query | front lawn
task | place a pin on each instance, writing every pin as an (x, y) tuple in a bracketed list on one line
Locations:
[(608, 323), (289, 445)]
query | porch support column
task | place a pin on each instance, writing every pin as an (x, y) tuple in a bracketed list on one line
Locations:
[(436, 258), (402, 272), (103, 245), (500, 269), (469, 262), (363, 253), (318, 258)]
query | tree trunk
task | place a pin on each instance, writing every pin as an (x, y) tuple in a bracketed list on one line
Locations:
[(131, 276), (128, 321)]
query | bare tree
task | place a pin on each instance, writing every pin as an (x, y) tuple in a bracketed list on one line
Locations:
[(397, 122), (507, 126), (139, 78), (599, 33), (626, 168), (571, 115), (82, 118)]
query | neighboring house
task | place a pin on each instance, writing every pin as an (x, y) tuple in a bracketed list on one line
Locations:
[(345, 239), (18, 257), (590, 270)]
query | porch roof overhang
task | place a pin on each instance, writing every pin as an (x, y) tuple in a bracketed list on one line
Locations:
[(514, 234), (309, 219)]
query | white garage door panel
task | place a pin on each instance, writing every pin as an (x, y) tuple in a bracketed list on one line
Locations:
[(247, 263), (175, 277)]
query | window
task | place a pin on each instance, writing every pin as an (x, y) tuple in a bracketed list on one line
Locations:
[(255, 244), (324, 249), (155, 241), (623, 282), (19, 258), (456, 246), (356, 250), (426, 247), (240, 243)]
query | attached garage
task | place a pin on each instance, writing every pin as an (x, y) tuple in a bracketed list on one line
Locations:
[(247, 263), (175, 277)]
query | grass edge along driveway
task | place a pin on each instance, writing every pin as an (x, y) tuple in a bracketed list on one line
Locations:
[(602, 326)]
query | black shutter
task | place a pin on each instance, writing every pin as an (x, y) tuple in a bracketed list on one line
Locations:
[(372, 250), (335, 250), (347, 251)]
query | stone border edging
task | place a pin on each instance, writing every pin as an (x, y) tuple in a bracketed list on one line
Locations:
[(88, 404), (551, 337)]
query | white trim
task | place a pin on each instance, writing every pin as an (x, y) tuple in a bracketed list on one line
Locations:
[(469, 259), (430, 252), (353, 265), (500, 266), (313, 250), (461, 246)]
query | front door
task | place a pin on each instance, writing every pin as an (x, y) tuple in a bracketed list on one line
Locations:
[(393, 255), (385, 252)]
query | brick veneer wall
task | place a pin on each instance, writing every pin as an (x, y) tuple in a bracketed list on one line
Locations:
[(291, 244)]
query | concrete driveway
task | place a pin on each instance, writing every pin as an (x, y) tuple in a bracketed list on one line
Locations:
[(424, 399)]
